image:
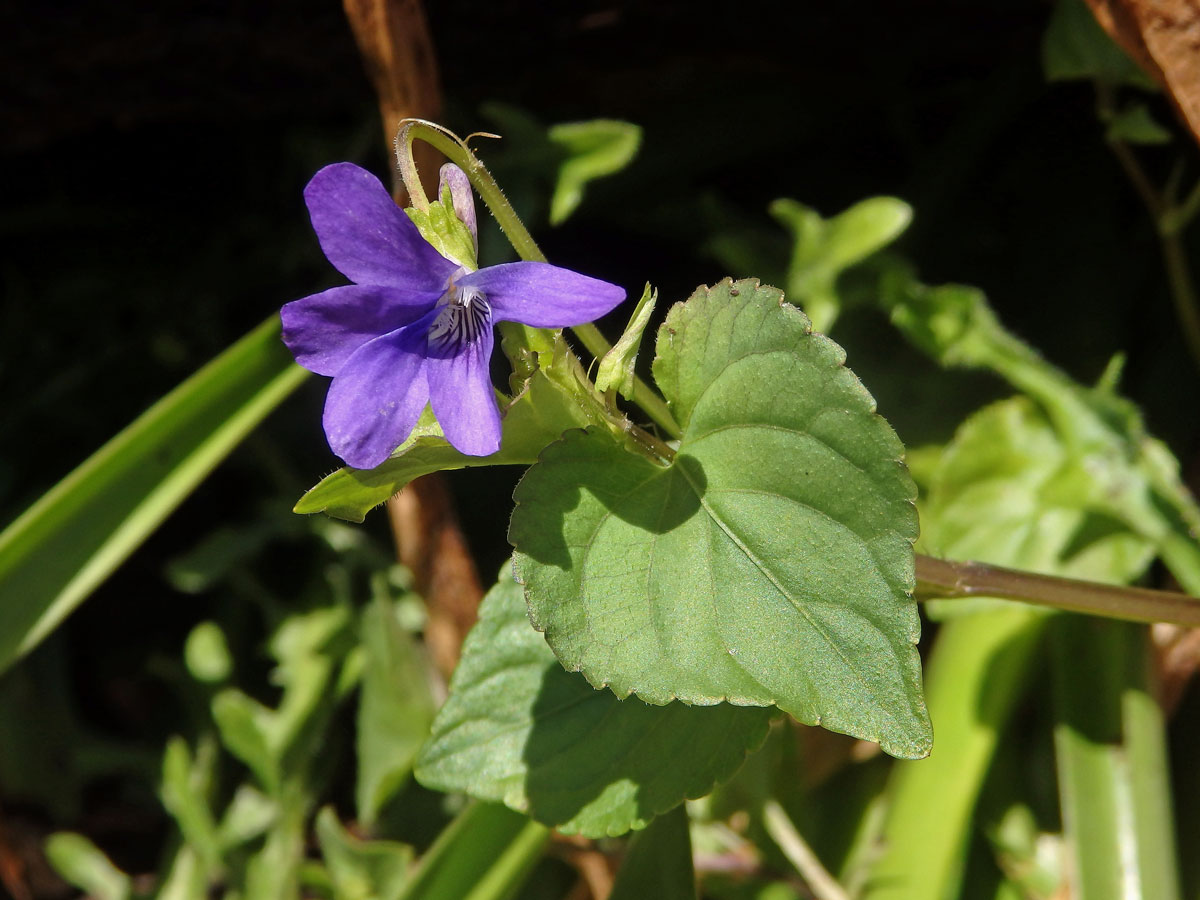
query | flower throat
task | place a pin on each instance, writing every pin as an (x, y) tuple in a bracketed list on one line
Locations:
[(464, 317)]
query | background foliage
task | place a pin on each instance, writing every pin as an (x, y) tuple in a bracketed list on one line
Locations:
[(152, 216)]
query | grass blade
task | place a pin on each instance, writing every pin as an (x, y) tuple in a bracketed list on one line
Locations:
[(1113, 777), (76, 534), (484, 854), (977, 672)]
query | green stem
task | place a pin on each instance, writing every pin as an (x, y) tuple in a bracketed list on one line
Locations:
[(1178, 217), (456, 150), (1183, 291), (484, 854), (939, 578), (975, 675), (1110, 746), (784, 833), (514, 229), (409, 174), (1169, 220)]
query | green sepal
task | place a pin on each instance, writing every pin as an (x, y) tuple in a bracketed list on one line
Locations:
[(616, 368), (445, 231)]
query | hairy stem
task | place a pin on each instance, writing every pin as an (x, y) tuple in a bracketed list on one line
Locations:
[(940, 578), (518, 235)]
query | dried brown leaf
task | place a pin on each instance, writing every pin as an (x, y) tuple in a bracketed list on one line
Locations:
[(1163, 36)]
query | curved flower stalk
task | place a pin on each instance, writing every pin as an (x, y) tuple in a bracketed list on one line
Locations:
[(415, 327)]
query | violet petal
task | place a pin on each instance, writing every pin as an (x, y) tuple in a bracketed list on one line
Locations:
[(366, 236), (378, 395), (543, 296), (463, 399), (323, 330)]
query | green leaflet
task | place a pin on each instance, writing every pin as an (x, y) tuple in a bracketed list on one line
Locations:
[(591, 150), (574, 153), (520, 729), (395, 709), (1112, 468), (1007, 489), (770, 563), (1136, 125), (361, 870), (824, 248), (84, 865), (1076, 47)]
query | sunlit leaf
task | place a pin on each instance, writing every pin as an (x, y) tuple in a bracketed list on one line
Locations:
[(1075, 46), (361, 870), (771, 563), (520, 729), (83, 864), (824, 248), (592, 150), (394, 712)]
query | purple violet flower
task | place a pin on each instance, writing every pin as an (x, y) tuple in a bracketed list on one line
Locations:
[(415, 327)]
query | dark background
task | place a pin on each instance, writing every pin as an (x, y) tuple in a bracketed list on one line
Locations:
[(153, 157)]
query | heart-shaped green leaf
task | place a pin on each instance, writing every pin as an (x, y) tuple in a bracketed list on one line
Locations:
[(519, 729), (770, 563)]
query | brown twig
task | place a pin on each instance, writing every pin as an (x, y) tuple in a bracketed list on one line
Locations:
[(397, 50), (1177, 658), (942, 578), (12, 866), (431, 544), (597, 870), (393, 37)]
